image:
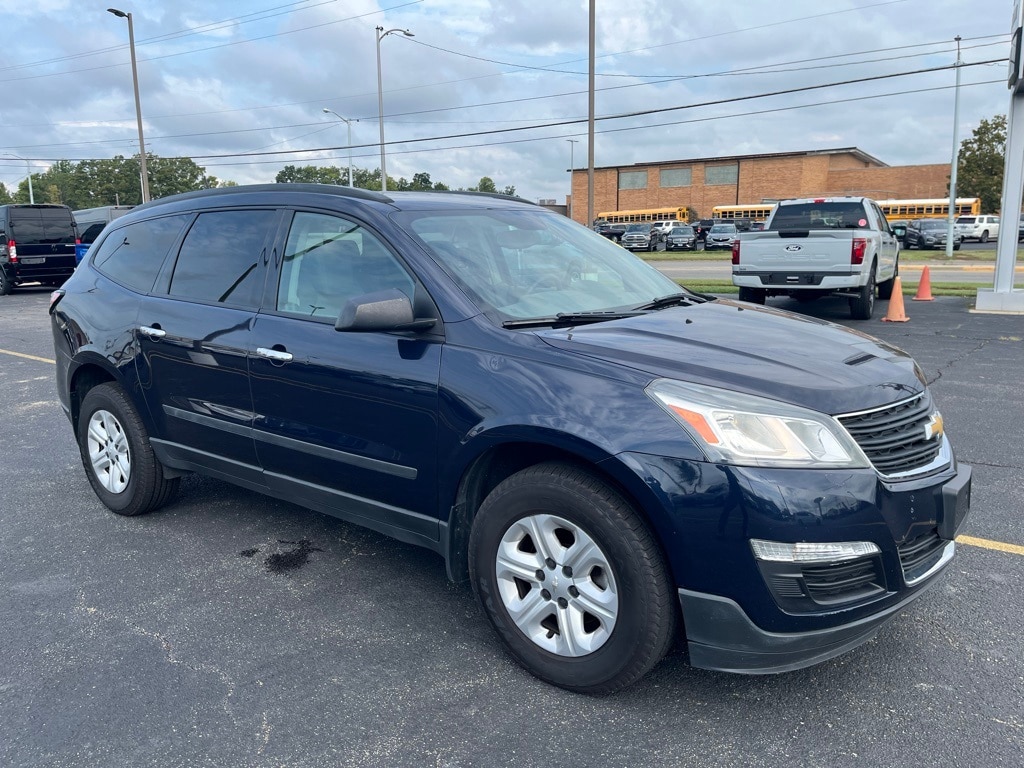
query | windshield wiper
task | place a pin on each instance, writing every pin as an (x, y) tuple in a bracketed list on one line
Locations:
[(569, 318), (672, 300)]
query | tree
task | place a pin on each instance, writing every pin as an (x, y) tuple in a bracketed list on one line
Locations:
[(980, 164), (486, 184), (5, 195)]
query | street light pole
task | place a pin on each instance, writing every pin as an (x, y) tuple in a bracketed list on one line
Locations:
[(138, 102), (381, 34), (349, 124), (28, 169), (572, 164), (950, 219)]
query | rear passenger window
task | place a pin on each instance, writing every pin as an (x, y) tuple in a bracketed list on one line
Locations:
[(134, 254), (220, 258), (329, 260)]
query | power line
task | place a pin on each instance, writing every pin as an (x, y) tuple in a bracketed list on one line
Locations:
[(576, 121)]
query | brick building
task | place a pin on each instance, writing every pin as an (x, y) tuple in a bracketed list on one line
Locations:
[(704, 183)]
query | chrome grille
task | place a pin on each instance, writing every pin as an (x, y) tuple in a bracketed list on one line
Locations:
[(894, 437)]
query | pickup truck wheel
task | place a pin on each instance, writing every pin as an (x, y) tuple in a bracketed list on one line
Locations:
[(753, 295), (571, 579), (984, 237), (862, 306), (118, 459)]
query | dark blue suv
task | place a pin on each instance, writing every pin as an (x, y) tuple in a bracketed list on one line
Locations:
[(610, 459)]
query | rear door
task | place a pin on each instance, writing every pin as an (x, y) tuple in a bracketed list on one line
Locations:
[(194, 334)]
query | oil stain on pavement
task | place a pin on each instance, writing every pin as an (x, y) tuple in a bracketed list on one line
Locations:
[(287, 561)]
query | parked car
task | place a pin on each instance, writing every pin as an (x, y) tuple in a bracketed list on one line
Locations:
[(980, 228), (720, 236), (639, 237), (37, 245), (1020, 229), (609, 459), (756, 226), (663, 228), (611, 231), (930, 233), (681, 238)]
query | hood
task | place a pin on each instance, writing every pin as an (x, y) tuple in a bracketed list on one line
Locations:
[(758, 350)]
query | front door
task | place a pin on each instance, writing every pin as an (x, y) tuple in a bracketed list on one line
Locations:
[(345, 422)]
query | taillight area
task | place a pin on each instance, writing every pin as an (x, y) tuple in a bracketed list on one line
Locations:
[(12, 251), (55, 297), (735, 251), (858, 249)]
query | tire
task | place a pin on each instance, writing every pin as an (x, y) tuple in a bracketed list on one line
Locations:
[(984, 237), (956, 247), (862, 306), (753, 295), (592, 632), (118, 459), (6, 286)]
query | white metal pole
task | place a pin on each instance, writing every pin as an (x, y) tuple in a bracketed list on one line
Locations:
[(950, 220)]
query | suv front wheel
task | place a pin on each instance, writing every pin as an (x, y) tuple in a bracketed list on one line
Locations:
[(118, 459), (571, 579)]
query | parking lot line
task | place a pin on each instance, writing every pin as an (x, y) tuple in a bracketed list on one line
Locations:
[(999, 546), (28, 357)]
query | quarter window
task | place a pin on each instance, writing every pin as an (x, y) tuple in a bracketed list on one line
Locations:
[(220, 258), (328, 261), (133, 255)]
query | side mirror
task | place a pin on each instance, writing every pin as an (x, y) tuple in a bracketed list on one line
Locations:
[(388, 310)]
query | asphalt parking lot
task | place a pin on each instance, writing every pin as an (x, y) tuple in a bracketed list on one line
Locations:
[(233, 630)]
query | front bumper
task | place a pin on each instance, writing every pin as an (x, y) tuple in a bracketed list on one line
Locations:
[(720, 636)]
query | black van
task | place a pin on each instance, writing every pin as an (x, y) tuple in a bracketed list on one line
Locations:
[(37, 245)]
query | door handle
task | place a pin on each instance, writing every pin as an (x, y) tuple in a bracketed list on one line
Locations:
[(275, 355), (153, 333)]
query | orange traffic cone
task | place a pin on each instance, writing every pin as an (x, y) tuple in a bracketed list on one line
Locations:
[(924, 288), (896, 313)]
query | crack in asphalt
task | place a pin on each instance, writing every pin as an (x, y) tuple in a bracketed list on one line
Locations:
[(959, 359)]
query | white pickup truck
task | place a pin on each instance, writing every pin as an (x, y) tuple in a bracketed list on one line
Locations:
[(817, 246)]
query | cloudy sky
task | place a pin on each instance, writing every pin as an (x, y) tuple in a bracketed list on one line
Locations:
[(493, 87)]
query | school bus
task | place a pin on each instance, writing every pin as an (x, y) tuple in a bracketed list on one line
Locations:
[(645, 214), (752, 212), (930, 208)]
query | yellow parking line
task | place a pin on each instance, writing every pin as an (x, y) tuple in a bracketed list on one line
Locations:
[(28, 357), (999, 546)]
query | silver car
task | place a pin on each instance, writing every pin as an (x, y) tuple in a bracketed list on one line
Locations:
[(721, 236)]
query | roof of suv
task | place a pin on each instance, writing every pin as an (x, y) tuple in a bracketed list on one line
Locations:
[(438, 199)]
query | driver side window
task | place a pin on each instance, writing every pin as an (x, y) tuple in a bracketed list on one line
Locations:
[(329, 260)]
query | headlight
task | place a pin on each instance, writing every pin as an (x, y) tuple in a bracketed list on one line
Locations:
[(735, 428)]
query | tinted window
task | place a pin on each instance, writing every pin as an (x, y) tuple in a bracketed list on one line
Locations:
[(329, 260), (134, 254), (219, 260), (91, 232), (41, 226), (820, 216)]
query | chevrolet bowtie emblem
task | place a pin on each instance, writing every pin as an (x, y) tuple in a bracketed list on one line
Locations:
[(933, 427)]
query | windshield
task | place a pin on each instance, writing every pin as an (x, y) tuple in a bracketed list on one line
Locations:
[(719, 229), (933, 224), (682, 230), (523, 264), (638, 228)]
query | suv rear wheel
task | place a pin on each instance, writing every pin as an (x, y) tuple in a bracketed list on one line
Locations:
[(6, 286), (571, 579), (119, 461)]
